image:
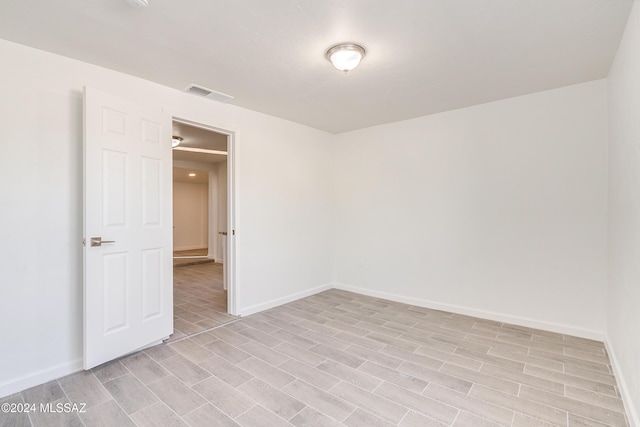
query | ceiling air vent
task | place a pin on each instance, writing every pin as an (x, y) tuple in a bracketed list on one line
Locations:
[(207, 93)]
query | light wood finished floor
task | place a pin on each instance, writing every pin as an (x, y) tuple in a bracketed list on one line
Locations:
[(199, 300), (339, 358)]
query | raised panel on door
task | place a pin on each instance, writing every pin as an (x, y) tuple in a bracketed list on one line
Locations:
[(114, 188), (152, 283), (115, 288), (151, 192)]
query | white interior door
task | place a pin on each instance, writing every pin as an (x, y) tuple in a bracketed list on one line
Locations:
[(128, 283)]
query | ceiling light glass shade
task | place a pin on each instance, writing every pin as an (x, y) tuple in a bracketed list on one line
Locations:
[(175, 141), (345, 57), (138, 3)]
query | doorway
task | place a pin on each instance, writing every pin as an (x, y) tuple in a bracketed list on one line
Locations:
[(202, 287)]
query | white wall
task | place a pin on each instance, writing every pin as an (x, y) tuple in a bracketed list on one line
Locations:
[(497, 210), (190, 216), (284, 230), (291, 209), (623, 314)]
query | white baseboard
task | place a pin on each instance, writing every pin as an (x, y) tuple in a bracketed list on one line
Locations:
[(189, 248), (43, 376), (24, 382), (283, 300), (633, 413), (490, 315)]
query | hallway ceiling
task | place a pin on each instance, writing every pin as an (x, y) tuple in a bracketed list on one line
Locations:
[(197, 137), (423, 56)]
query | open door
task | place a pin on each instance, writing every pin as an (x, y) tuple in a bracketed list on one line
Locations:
[(128, 283)]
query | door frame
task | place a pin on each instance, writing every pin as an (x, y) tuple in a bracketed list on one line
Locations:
[(230, 255)]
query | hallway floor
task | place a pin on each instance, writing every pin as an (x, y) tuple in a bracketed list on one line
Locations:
[(199, 300), (343, 359)]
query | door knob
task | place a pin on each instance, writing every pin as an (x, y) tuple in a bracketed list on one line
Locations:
[(97, 241)]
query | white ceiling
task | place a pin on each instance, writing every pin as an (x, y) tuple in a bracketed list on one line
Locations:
[(423, 56)]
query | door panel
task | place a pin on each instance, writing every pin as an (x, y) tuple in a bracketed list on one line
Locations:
[(115, 286), (152, 283), (128, 283), (114, 203), (151, 192)]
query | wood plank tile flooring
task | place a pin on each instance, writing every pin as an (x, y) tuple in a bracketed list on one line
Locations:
[(342, 359), (199, 300)]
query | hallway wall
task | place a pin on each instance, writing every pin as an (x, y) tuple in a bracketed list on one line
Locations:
[(190, 216)]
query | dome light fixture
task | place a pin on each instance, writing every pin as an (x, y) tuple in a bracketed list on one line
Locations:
[(175, 141), (138, 3), (345, 56)]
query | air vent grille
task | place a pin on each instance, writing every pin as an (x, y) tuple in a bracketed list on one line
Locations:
[(207, 93)]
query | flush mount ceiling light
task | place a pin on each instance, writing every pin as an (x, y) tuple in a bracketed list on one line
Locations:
[(138, 3), (175, 141), (345, 56)]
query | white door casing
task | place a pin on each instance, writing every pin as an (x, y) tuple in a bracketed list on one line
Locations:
[(128, 284)]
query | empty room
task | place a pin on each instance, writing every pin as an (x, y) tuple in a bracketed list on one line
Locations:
[(320, 213)]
